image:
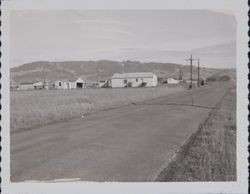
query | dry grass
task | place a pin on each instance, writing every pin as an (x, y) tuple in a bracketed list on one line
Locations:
[(210, 154), (29, 109)]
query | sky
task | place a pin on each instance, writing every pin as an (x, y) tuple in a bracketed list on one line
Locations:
[(143, 35)]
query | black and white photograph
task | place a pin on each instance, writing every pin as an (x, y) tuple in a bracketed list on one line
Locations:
[(124, 96)]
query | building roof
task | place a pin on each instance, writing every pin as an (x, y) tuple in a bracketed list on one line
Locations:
[(70, 80), (38, 83), (132, 75), (26, 83), (172, 78), (79, 80)]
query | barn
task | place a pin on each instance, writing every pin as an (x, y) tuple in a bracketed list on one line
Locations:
[(137, 79), (80, 83)]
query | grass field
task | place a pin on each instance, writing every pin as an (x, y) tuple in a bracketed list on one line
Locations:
[(210, 153), (29, 109)]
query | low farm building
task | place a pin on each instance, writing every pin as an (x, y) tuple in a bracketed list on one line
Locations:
[(138, 79), (38, 85), (26, 86), (14, 86), (70, 84)]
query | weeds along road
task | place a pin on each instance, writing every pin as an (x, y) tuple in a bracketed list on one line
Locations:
[(132, 143)]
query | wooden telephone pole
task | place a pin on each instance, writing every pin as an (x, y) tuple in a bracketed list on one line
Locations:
[(191, 59), (198, 73), (44, 76)]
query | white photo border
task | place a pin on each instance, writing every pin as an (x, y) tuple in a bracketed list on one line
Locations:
[(239, 8)]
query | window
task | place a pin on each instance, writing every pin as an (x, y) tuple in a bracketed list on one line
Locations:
[(125, 81), (60, 84), (136, 80)]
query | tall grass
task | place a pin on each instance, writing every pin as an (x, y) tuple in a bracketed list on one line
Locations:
[(29, 109), (210, 154)]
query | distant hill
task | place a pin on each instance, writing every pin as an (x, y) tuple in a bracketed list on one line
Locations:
[(98, 70)]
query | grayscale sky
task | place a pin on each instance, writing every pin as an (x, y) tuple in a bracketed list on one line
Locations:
[(144, 35)]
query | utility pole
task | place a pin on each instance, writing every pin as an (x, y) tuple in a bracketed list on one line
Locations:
[(191, 70), (44, 76), (198, 73)]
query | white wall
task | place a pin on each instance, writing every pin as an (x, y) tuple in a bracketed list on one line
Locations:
[(119, 82), (62, 86), (72, 85)]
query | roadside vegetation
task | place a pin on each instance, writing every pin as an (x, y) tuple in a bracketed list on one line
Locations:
[(210, 153), (30, 109)]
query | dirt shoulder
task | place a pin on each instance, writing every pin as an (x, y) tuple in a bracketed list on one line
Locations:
[(210, 153)]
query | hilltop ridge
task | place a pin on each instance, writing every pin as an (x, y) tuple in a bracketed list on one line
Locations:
[(99, 70)]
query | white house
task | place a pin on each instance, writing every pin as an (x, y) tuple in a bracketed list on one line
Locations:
[(172, 80), (138, 79)]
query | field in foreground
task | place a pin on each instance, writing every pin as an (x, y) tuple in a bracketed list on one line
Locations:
[(210, 153), (127, 144), (29, 109)]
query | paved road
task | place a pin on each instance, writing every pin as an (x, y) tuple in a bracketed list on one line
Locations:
[(132, 143)]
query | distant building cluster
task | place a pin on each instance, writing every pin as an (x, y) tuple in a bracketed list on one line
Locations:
[(118, 80), (70, 84)]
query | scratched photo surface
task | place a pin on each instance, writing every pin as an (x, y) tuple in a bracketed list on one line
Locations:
[(122, 96)]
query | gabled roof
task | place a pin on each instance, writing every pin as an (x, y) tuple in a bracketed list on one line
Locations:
[(133, 75), (79, 80), (70, 80)]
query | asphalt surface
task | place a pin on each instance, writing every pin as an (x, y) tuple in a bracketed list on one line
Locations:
[(132, 143)]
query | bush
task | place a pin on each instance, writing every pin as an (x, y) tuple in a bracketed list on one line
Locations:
[(224, 78), (214, 78)]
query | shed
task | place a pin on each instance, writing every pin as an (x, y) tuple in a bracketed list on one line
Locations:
[(26, 86), (172, 80)]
